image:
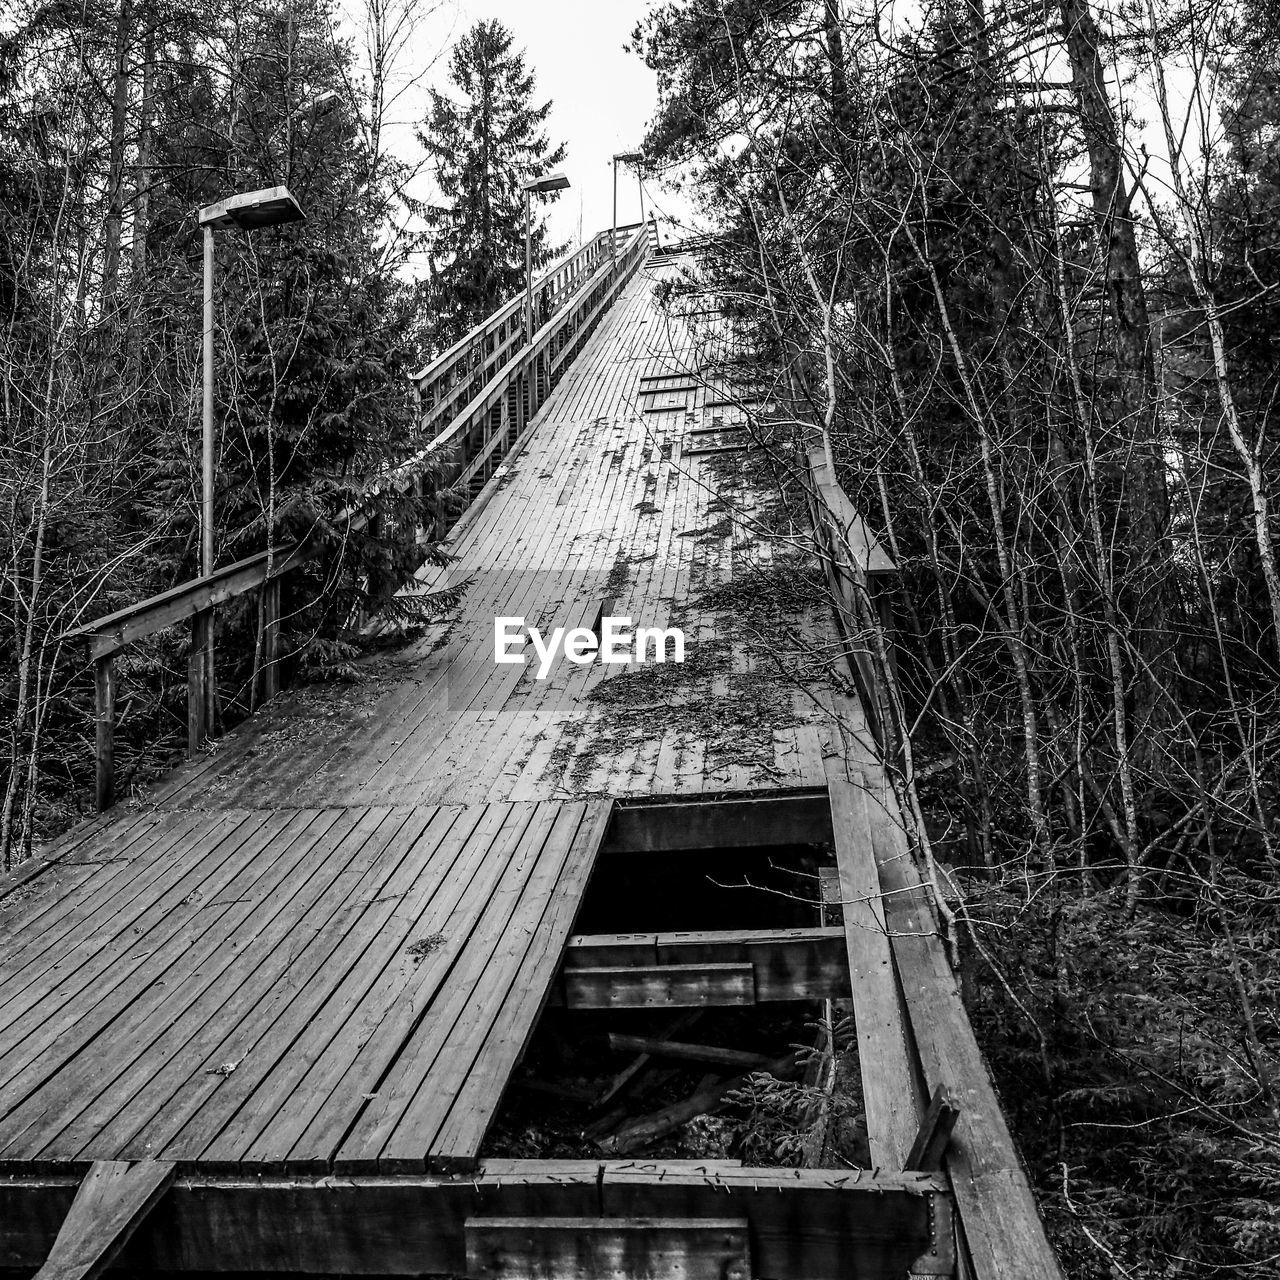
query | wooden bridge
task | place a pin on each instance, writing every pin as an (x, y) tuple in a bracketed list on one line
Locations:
[(267, 1017)]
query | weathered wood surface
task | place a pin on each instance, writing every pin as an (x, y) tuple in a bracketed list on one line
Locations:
[(939, 1120), (656, 986), (599, 504), (680, 1051), (889, 1084), (621, 1248), (109, 1205), (775, 964), (258, 989), (805, 1225)]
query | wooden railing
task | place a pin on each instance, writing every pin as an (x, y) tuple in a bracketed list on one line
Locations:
[(457, 374), (478, 398), (861, 578), (465, 453)]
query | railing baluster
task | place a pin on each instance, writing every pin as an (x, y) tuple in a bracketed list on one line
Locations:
[(198, 720), (270, 638), (104, 698)]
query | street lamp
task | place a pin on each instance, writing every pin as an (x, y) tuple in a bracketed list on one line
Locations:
[(552, 182), (624, 157), (249, 211)]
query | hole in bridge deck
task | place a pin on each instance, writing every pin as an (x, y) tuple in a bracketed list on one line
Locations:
[(702, 1009)]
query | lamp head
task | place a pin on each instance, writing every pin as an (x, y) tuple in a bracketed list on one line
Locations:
[(552, 182), (251, 210)]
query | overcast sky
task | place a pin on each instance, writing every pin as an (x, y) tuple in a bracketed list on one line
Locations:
[(602, 97)]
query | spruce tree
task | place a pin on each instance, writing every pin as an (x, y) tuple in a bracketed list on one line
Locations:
[(485, 145)]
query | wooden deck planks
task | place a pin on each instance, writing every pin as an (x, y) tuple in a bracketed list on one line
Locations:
[(388, 1133), (599, 483), (465, 1112), (205, 1031), (317, 960), (97, 1039)]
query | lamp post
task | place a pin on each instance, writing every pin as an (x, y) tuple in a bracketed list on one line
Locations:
[(623, 157), (249, 211), (552, 182)]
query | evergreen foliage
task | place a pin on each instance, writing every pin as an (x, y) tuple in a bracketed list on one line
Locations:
[(485, 145), (100, 282)]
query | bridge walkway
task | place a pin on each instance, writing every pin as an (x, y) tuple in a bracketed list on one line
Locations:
[(613, 503)]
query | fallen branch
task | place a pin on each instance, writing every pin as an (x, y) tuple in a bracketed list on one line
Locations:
[(645, 1129), (734, 1059), (626, 1077)]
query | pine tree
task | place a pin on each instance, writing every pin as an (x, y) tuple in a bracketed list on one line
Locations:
[(484, 148)]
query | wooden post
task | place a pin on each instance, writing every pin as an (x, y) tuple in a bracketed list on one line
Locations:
[(270, 638), (930, 1145), (880, 588), (112, 1201), (104, 689), (197, 680)]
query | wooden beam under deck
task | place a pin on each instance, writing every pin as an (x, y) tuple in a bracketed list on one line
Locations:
[(803, 1224), (721, 967), (780, 818), (586, 1248)]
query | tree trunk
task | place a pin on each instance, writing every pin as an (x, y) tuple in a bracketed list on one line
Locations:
[(115, 160), (1146, 497)]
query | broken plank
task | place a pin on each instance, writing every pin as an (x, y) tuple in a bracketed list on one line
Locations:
[(621, 1248), (113, 1199), (935, 1132), (627, 1076), (645, 1129)]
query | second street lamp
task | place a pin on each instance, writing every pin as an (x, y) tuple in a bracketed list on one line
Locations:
[(624, 157), (552, 182)]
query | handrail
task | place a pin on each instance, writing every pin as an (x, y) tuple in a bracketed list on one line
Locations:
[(466, 365), (861, 577), (434, 366), (515, 392), (519, 378), (108, 635)]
